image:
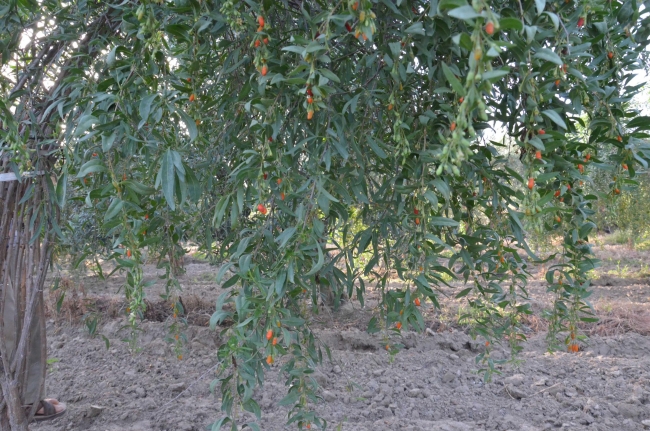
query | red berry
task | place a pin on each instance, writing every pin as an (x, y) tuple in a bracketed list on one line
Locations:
[(489, 28)]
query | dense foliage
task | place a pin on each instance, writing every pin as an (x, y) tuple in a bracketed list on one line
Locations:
[(289, 138)]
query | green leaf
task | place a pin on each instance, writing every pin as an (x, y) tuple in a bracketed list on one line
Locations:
[(91, 166), (464, 12), (329, 75), (113, 209), (443, 221), (190, 123), (415, 28), (453, 81), (554, 117), (548, 55), (145, 106), (511, 23), (61, 187), (319, 263), (540, 5), (167, 175)]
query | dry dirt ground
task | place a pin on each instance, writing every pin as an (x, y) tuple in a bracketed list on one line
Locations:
[(430, 385)]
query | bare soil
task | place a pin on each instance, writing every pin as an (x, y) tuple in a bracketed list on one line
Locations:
[(430, 385)]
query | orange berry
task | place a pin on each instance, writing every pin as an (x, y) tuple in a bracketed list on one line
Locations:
[(176, 337), (390, 106), (269, 359), (617, 192), (189, 79), (610, 55), (310, 100), (417, 302), (257, 43), (453, 126), (538, 155), (282, 195), (261, 208), (266, 41), (128, 253), (581, 168), (417, 220), (588, 156), (624, 167), (573, 336), (398, 325), (260, 20), (192, 97), (180, 357), (310, 115), (557, 193), (387, 347), (489, 28), (541, 132), (275, 341), (265, 70), (487, 343), (123, 177), (558, 219), (619, 138), (355, 6), (461, 100), (198, 122), (269, 334), (581, 22), (364, 36), (557, 82), (531, 183), (94, 154)]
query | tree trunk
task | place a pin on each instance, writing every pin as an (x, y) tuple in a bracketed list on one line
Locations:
[(26, 216)]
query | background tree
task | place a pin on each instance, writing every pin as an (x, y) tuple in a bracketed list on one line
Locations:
[(276, 127)]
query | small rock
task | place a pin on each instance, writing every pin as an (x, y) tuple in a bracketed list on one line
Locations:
[(556, 388), (570, 393), (336, 369), (540, 382), (646, 423), (178, 387), (414, 393), (515, 392), (139, 391), (328, 396), (377, 373), (448, 377), (454, 356), (320, 378), (516, 380), (94, 411)]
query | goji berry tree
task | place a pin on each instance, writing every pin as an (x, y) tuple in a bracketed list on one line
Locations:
[(288, 138)]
